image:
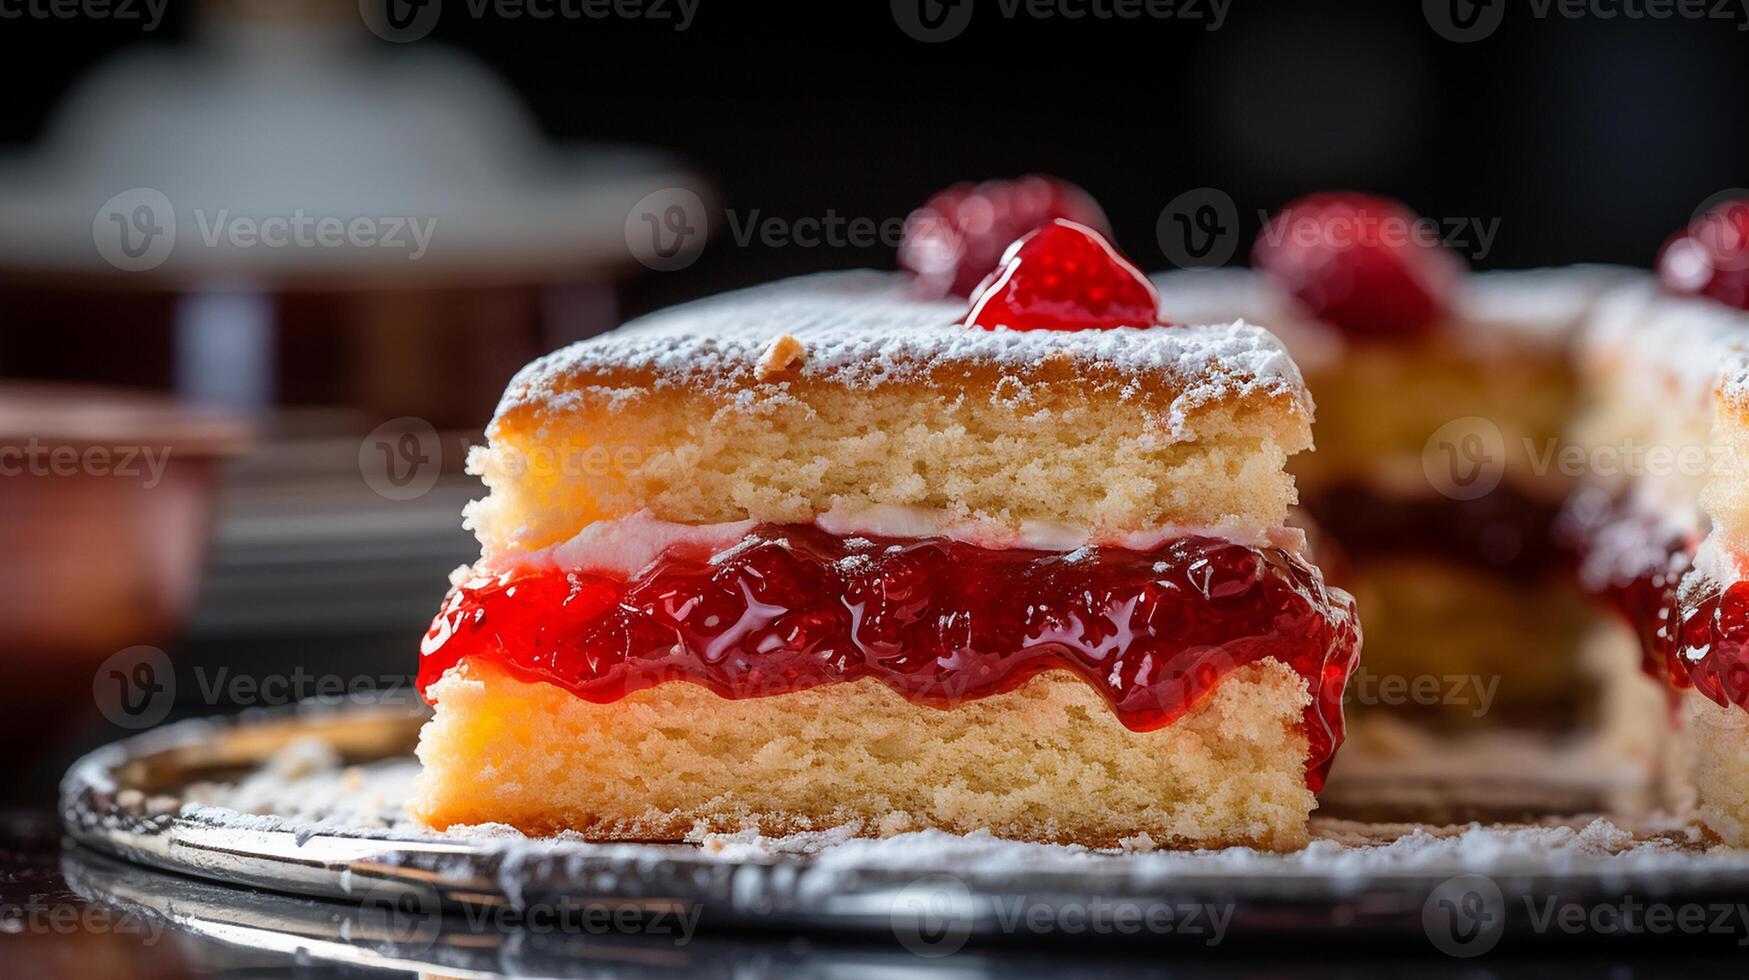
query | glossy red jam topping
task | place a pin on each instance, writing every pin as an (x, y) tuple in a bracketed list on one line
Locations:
[(1064, 276), (1363, 264), (938, 621), (956, 239), (1709, 639), (1711, 256)]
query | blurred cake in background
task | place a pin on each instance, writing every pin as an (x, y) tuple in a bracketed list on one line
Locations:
[(1665, 367), (1442, 400)]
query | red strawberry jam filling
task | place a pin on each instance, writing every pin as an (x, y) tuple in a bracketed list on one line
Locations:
[(1633, 560), (1707, 645), (1693, 632), (938, 621)]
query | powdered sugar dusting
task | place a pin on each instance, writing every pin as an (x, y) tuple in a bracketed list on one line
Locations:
[(1686, 345), (308, 791), (865, 329), (1539, 308)]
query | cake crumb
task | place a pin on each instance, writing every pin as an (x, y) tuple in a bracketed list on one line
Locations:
[(785, 354), (1139, 844), (895, 823)]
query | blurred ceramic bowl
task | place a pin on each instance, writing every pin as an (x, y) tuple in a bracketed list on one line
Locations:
[(106, 503)]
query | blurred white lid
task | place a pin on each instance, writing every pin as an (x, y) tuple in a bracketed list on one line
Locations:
[(309, 121)]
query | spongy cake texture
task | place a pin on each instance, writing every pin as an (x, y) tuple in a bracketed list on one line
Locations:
[(1668, 374), (1503, 356), (877, 399), (1047, 761), (837, 393)]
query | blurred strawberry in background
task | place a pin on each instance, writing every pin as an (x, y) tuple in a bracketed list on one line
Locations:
[(958, 236)]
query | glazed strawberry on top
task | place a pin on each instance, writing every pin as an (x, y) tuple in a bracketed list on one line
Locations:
[(1064, 276), (1711, 256), (1356, 261), (955, 240)]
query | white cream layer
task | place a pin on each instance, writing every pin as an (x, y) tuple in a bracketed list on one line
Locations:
[(1717, 562), (626, 545)]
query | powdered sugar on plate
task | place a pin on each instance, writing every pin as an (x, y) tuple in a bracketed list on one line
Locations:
[(306, 790)]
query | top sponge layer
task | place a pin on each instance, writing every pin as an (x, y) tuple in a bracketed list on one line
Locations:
[(840, 391)]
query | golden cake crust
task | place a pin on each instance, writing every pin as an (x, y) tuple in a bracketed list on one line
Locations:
[(780, 403), (863, 330)]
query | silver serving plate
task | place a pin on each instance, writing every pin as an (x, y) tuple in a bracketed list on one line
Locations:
[(427, 889)]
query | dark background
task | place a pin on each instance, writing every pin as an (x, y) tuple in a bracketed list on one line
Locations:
[(1590, 138), (1586, 138)]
